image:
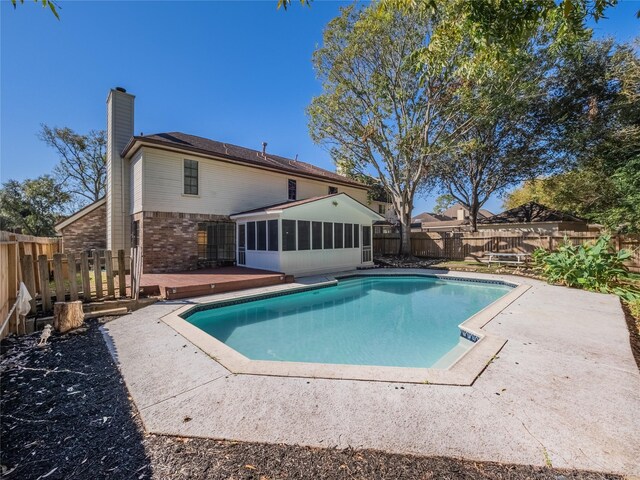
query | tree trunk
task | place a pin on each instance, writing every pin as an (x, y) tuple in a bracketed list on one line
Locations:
[(405, 235), (474, 208), (67, 316)]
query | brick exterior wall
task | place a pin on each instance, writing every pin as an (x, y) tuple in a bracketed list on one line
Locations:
[(87, 233), (169, 240)]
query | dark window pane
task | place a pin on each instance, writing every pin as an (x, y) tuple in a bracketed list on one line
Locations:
[(241, 235), (262, 234), (292, 187), (366, 236), (337, 235), (273, 235), (288, 235), (135, 233), (191, 177), (328, 235), (251, 235), (348, 235), (356, 236), (217, 243), (333, 190), (304, 235), (316, 235)]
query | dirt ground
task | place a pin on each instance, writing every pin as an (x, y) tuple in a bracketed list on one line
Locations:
[(65, 413)]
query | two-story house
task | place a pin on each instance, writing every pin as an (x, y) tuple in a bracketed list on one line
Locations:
[(191, 202)]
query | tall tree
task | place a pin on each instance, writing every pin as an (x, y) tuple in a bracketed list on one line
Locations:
[(33, 206), (82, 170), (381, 112), (596, 138), (505, 143)]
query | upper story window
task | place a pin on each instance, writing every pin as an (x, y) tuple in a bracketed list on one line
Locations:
[(382, 208), (292, 189), (333, 190), (190, 177)]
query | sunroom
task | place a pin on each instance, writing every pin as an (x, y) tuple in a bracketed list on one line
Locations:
[(316, 235)]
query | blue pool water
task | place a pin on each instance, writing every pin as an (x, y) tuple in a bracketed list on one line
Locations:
[(386, 321)]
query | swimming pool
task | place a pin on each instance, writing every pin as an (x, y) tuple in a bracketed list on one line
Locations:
[(398, 321)]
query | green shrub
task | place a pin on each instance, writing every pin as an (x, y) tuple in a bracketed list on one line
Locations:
[(634, 308), (592, 266)]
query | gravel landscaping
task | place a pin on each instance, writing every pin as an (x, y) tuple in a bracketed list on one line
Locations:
[(65, 413)]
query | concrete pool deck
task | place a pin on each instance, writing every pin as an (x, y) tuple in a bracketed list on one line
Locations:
[(564, 390)]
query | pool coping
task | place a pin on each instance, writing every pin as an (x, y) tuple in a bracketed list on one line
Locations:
[(463, 371)]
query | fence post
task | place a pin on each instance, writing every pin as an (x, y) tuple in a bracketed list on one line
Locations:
[(45, 291), (28, 277), (122, 279), (108, 263), (86, 280), (58, 277), (97, 273), (73, 280)]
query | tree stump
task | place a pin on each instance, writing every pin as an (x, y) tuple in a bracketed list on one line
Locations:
[(67, 316)]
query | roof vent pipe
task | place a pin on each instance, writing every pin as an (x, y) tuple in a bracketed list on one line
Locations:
[(121, 89), (264, 148)]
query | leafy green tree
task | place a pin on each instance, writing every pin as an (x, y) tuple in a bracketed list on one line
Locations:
[(443, 202), (82, 170), (505, 142), (33, 206), (50, 4), (595, 140), (380, 111), (499, 25)]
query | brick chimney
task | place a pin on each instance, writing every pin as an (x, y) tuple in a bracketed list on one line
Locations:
[(119, 132), (461, 214)]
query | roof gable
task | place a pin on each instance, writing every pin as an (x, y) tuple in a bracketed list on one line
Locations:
[(79, 214), (279, 207)]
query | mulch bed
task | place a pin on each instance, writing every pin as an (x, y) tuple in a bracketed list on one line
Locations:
[(633, 324), (65, 413), (395, 261)]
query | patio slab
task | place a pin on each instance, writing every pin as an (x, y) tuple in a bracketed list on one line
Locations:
[(564, 390)]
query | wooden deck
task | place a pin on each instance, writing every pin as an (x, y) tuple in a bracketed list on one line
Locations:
[(207, 282)]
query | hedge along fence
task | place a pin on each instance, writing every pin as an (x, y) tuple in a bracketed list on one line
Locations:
[(52, 276), (473, 245)]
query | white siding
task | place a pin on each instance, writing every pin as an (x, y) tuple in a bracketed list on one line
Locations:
[(136, 183), (224, 188)]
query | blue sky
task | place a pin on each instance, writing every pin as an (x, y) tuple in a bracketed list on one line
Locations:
[(238, 72)]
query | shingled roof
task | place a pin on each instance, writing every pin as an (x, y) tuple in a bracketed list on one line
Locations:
[(529, 213), (228, 151)]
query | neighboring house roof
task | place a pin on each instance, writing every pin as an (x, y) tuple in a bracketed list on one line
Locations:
[(430, 217), (228, 151), (529, 213), (79, 214), (452, 212), (278, 207)]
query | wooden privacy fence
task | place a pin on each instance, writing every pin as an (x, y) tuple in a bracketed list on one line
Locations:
[(92, 275), (472, 245), (12, 247), (52, 276)]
